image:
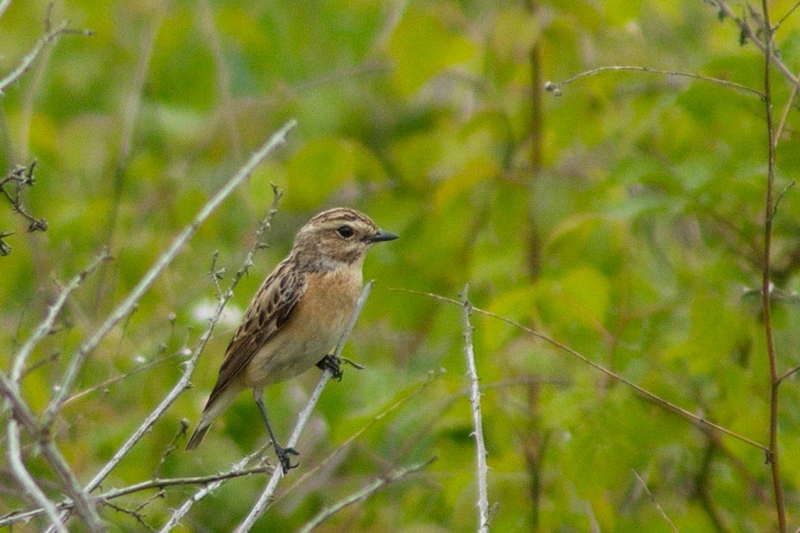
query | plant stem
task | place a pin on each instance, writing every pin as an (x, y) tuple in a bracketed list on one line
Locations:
[(766, 284)]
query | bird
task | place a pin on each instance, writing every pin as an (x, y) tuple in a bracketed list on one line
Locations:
[(297, 315)]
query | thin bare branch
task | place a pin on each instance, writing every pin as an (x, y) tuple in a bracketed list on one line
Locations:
[(171, 482), (477, 417), (46, 325), (362, 494), (84, 507), (790, 373), (785, 115), (127, 305), (382, 414), (27, 61), (753, 35), (157, 483), (773, 456), (189, 366), (555, 88), (179, 513), (644, 392), (26, 481), (303, 417), (655, 502)]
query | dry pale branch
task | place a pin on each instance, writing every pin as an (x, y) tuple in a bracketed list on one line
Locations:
[(53, 311), (208, 488), (362, 494), (477, 417), (26, 480), (312, 472), (157, 483), (22, 413), (83, 504), (163, 261), (189, 366), (27, 61)]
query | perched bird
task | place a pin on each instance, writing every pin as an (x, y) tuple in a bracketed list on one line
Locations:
[(297, 316)]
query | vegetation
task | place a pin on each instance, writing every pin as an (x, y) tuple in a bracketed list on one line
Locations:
[(611, 180)]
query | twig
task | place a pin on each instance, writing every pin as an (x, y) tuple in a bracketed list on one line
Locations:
[(303, 417), (773, 457), (785, 115), (190, 364), (127, 305), (52, 313), (789, 373), (83, 505), (311, 473), (477, 418), (555, 88), (27, 61), (362, 494), (179, 513), (157, 483), (23, 476), (171, 482), (644, 392), (21, 412), (21, 177), (749, 33), (653, 499)]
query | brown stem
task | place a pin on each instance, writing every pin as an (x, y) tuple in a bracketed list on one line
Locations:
[(537, 128), (766, 285)]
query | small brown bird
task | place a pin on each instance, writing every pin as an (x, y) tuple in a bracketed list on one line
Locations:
[(297, 316)]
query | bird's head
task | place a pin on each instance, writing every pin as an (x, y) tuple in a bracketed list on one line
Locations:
[(338, 236)]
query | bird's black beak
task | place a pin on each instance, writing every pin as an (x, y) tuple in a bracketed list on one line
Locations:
[(382, 236)]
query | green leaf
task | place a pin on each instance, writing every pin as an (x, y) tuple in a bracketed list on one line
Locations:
[(422, 47)]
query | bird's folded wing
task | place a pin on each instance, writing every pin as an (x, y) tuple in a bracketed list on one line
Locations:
[(269, 310)]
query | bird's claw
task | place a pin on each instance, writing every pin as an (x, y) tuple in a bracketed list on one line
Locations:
[(334, 364), (283, 456)]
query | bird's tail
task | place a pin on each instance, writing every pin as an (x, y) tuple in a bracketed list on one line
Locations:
[(216, 405)]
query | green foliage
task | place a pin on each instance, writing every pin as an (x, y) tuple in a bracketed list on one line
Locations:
[(636, 239)]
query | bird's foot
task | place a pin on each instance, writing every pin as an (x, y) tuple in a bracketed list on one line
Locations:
[(283, 456), (334, 364)]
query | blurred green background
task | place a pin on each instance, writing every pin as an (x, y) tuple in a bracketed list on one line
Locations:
[(624, 218)]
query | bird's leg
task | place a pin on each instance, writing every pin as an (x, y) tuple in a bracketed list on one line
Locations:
[(332, 363), (280, 451)]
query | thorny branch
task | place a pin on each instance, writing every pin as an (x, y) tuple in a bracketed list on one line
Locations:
[(477, 417)]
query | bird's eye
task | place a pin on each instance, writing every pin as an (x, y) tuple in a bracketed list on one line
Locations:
[(345, 231)]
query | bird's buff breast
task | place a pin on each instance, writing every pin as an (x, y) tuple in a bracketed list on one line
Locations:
[(312, 331)]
